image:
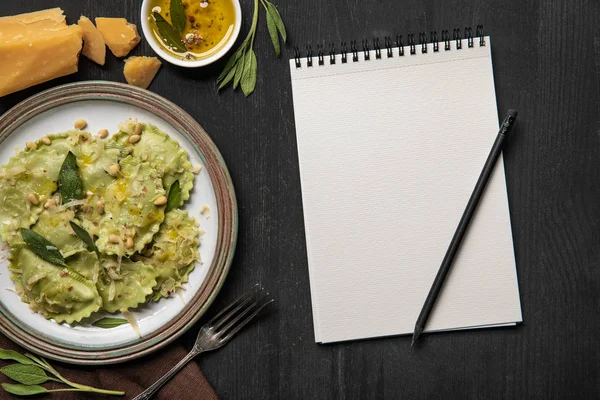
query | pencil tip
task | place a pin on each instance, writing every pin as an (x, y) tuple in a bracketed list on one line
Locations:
[(417, 332)]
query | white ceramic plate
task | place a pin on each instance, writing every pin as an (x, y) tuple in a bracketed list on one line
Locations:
[(154, 317)]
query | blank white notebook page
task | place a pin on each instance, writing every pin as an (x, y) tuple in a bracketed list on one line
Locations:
[(390, 150)]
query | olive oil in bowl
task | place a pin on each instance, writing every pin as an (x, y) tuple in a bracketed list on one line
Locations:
[(196, 30)]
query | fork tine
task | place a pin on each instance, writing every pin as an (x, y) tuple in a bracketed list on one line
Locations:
[(247, 303), (243, 297), (237, 328), (243, 309)]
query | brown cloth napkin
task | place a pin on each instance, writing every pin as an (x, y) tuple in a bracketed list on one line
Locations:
[(131, 377)]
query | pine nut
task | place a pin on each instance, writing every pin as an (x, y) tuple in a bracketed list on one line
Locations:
[(50, 203), (102, 133), (32, 199), (114, 239), (138, 129), (114, 169), (161, 201), (129, 243), (134, 139), (46, 140), (80, 124), (31, 145)]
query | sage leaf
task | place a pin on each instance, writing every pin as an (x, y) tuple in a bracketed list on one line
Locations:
[(278, 21), (34, 358), (170, 36), (239, 71), (13, 355), (69, 182), (248, 82), (174, 197), (25, 374), (23, 390), (227, 79), (177, 15), (273, 32), (108, 323), (42, 247), (230, 64), (85, 237)]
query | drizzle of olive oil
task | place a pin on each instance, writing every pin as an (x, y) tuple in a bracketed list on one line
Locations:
[(213, 19)]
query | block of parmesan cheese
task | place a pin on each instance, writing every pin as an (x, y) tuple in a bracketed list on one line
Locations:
[(140, 71), (25, 24), (119, 35), (94, 47), (52, 15), (32, 58)]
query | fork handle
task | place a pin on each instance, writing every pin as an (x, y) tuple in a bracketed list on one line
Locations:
[(146, 394)]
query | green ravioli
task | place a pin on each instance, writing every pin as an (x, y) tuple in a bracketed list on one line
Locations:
[(163, 152), (174, 252), (53, 291)]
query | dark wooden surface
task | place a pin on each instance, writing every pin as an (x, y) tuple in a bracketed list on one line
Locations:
[(546, 65)]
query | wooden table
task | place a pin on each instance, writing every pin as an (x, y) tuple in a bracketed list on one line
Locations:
[(547, 65)]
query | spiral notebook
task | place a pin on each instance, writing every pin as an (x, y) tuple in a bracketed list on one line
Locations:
[(391, 141)]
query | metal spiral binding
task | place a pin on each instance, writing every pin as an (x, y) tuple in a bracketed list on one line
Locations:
[(320, 54), (389, 46), (365, 46), (411, 44), (377, 48), (354, 50)]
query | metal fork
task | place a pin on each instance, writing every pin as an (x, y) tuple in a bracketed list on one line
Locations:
[(218, 331)]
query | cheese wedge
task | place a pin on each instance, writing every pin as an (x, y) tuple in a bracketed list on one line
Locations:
[(94, 47), (140, 71), (54, 15), (119, 35), (30, 59)]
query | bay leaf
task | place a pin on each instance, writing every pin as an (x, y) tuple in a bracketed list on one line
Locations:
[(42, 247), (69, 182), (177, 16), (25, 374), (170, 36)]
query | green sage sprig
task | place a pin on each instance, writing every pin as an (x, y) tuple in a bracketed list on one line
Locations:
[(69, 182), (108, 322), (85, 237), (174, 198), (42, 247), (241, 68), (31, 372)]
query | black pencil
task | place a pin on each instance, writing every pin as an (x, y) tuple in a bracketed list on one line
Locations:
[(488, 167)]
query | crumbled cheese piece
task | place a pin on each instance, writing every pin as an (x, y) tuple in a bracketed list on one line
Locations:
[(94, 47), (119, 35), (140, 71)]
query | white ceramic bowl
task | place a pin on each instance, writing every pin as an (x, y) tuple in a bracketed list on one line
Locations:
[(149, 35)]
